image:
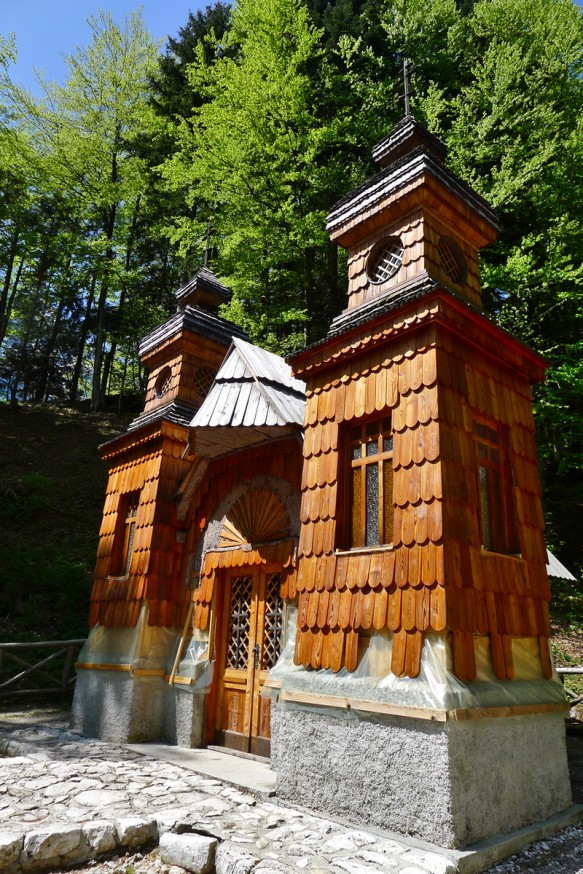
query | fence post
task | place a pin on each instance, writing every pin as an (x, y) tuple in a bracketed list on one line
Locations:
[(67, 668)]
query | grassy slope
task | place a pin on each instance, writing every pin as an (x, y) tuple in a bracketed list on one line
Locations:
[(52, 485)]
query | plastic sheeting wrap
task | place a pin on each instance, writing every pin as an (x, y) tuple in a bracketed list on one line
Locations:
[(285, 663), (436, 687), (142, 648), (195, 664)]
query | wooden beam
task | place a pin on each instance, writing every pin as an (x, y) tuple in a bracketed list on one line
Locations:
[(428, 713)]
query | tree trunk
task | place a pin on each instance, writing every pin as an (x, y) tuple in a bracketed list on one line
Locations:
[(74, 390), (110, 356), (43, 385), (24, 358), (4, 310), (123, 383), (8, 309), (97, 394)]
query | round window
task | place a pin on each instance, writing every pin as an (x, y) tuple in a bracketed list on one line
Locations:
[(384, 260), (163, 382), (203, 379), (452, 259)]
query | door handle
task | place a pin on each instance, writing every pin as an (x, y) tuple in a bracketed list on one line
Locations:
[(256, 651)]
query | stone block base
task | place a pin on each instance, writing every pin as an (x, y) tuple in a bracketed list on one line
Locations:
[(450, 783)]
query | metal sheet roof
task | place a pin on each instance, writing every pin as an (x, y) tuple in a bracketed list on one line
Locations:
[(253, 394), (556, 569)]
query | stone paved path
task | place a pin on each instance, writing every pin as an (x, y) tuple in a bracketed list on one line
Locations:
[(62, 794), (65, 799)]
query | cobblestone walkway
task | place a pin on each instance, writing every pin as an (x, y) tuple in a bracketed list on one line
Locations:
[(65, 799)]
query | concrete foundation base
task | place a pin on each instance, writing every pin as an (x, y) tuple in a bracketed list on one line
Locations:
[(184, 717), (450, 783), (116, 707)]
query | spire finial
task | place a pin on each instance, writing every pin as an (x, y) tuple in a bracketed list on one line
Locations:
[(406, 71)]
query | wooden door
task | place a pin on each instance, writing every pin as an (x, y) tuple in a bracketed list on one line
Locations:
[(252, 641)]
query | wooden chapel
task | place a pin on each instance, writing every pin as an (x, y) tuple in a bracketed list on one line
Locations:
[(198, 538), (372, 607)]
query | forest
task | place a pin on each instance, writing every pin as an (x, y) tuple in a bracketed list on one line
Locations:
[(256, 118)]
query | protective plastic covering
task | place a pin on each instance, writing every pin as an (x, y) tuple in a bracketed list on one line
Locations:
[(285, 663), (140, 648), (195, 664), (435, 688)]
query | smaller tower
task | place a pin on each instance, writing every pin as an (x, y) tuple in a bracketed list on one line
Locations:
[(184, 354), (139, 601)]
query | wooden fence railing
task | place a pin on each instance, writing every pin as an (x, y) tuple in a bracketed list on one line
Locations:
[(574, 698), (53, 673), (49, 672)]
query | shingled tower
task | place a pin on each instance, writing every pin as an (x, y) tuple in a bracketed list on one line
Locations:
[(139, 597), (421, 557)]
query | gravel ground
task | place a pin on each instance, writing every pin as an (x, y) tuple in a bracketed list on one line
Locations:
[(559, 854)]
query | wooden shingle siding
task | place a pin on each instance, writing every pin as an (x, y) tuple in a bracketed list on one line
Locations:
[(343, 594), (279, 554), (422, 368), (183, 355), (419, 233), (487, 593), (415, 349), (155, 560), (282, 461)]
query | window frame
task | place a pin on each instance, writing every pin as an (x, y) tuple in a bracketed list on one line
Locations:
[(495, 488), (125, 531), (361, 431)]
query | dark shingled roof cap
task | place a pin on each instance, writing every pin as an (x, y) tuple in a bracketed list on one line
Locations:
[(196, 321), (204, 289), (407, 135)]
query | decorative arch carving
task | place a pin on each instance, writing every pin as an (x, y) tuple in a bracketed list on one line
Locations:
[(258, 516)]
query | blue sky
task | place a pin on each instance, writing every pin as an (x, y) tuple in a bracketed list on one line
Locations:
[(48, 29)]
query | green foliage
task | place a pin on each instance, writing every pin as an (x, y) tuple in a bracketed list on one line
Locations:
[(567, 605), (573, 684), (51, 497), (85, 184), (253, 153)]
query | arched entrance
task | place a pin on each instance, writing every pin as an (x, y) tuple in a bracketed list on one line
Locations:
[(243, 581)]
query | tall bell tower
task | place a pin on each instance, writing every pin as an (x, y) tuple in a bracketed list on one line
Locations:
[(427, 695)]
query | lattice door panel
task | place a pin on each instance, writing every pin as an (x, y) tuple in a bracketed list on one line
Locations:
[(273, 622), (239, 630), (252, 635)]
